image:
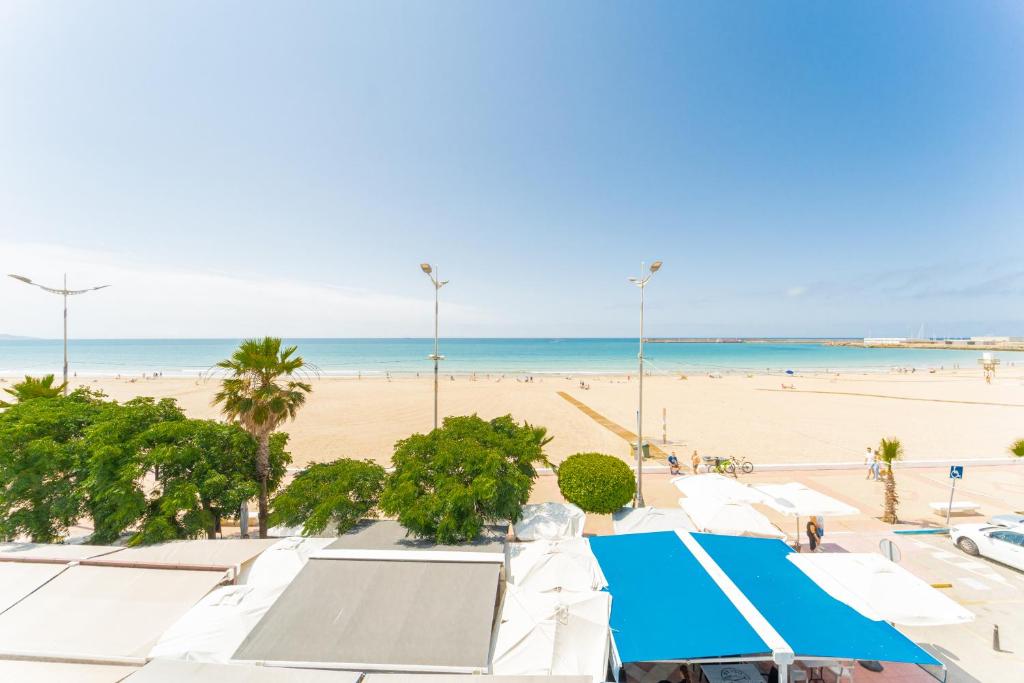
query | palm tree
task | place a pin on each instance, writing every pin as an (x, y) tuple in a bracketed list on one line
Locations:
[(36, 387), (889, 451), (1017, 448), (260, 392)]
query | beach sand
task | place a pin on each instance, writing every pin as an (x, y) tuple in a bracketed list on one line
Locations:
[(824, 419)]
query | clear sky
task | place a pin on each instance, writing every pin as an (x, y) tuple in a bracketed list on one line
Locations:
[(246, 168)]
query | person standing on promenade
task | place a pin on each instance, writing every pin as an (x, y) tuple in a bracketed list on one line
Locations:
[(695, 461), (870, 461), (812, 535)]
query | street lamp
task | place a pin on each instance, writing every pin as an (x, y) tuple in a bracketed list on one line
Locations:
[(641, 282), (64, 292), (438, 284)]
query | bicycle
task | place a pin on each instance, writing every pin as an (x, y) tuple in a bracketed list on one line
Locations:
[(734, 466)]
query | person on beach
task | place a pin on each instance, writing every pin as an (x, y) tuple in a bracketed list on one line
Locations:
[(870, 461), (695, 461), (812, 535), (673, 464)]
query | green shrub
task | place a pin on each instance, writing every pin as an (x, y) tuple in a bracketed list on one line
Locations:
[(1017, 448), (343, 491), (596, 482), (470, 472)]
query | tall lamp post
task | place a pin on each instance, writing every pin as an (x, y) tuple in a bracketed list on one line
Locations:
[(64, 292), (431, 272), (641, 282)]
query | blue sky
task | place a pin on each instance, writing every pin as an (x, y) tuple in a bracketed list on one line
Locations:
[(245, 168)]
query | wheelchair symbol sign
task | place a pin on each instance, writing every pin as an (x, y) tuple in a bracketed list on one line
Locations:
[(956, 471)]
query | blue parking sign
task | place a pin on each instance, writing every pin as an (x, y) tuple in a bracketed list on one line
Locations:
[(956, 471)]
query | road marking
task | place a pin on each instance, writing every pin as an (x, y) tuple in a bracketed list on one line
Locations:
[(974, 583), (943, 555)]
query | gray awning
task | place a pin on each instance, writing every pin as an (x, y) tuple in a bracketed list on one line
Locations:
[(383, 615)]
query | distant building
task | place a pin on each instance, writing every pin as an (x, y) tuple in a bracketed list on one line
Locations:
[(884, 341)]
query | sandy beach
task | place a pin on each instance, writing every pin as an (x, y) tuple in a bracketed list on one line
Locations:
[(822, 419)]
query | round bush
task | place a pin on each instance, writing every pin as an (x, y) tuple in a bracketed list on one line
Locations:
[(596, 482)]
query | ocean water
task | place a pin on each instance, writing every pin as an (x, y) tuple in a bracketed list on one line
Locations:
[(186, 357)]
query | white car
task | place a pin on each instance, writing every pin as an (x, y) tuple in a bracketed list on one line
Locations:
[(999, 543)]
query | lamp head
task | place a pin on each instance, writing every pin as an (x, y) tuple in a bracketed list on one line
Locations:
[(656, 266), (425, 267), (20, 277)]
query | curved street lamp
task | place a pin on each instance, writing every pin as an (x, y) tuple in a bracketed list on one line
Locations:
[(431, 272), (641, 282), (64, 292)]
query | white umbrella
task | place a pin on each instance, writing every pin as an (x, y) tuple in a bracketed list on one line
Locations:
[(630, 520), (880, 589), (544, 634), (732, 519), (546, 521), (719, 488), (796, 500), (566, 565)]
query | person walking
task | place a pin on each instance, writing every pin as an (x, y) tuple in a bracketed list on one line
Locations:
[(870, 460), (695, 461), (876, 467)]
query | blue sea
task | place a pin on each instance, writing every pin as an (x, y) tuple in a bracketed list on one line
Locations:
[(186, 357)]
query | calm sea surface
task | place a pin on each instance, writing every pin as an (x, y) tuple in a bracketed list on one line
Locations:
[(535, 356)]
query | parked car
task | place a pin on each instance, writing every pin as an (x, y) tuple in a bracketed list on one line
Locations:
[(1008, 520), (999, 543)]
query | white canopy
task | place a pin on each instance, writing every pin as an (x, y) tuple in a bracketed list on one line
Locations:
[(214, 628), (548, 521), (281, 562), (553, 633), (731, 519), (631, 520), (796, 500), (17, 580), (566, 565), (880, 589), (719, 488), (102, 612), (166, 671), (16, 671)]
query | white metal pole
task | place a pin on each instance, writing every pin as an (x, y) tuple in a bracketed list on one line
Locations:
[(65, 334), (436, 279), (949, 509), (640, 408)]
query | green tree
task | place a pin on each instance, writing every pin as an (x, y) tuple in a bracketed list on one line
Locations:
[(447, 484), (207, 470), (34, 387), (1017, 448), (595, 482), (115, 463), (889, 451), (42, 462), (260, 393), (340, 492)]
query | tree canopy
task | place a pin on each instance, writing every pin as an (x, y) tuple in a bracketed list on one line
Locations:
[(337, 493), (449, 483), (63, 458), (207, 470), (42, 462)]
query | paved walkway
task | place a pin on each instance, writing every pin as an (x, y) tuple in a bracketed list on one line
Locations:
[(613, 427)]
